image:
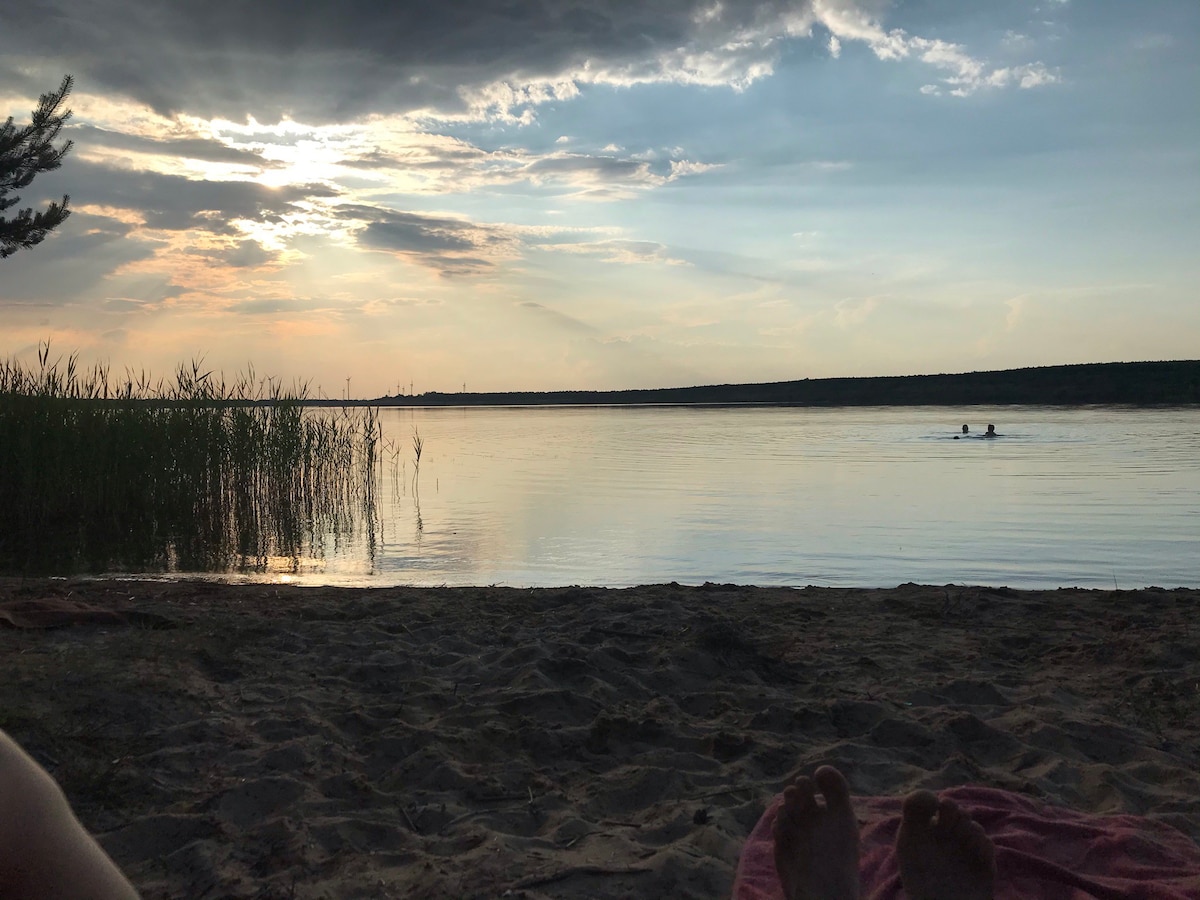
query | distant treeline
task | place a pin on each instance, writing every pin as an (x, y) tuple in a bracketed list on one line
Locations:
[(1139, 383)]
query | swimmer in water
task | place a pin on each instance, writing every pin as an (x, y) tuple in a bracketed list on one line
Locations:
[(991, 432)]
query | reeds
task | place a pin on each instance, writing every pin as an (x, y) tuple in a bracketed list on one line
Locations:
[(197, 474)]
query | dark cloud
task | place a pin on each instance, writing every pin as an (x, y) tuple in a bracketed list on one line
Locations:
[(433, 157), (247, 254), (188, 148), (450, 245), (325, 60), (406, 232), (174, 203), (19, 80), (71, 261)]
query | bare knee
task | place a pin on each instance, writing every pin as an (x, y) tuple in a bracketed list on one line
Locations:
[(44, 850)]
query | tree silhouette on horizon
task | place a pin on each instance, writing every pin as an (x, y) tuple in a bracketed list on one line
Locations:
[(24, 154)]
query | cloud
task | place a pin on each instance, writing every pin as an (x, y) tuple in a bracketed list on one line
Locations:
[(230, 155), (244, 224), (326, 61), (323, 61), (848, 313), (175, 203), (580, 169), (454, 245), (602, 177), (1016, 311), (245, 254), (384, 153), (199, 148), (964, 73), (72, 261), (617, 250), (681, 168), (447, 244)]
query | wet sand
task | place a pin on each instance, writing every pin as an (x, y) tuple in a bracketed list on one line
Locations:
[(270, 741)]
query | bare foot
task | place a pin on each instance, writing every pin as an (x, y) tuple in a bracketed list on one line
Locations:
[(816, 846), (949, 858)]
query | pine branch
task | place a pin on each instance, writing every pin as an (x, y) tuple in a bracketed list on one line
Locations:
[(24, 154)]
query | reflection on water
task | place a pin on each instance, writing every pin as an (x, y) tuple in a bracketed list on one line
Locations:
[(198, 476), (1092, 497), (877, 496)]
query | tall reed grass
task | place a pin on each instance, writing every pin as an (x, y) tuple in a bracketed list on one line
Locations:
[(194, 474)]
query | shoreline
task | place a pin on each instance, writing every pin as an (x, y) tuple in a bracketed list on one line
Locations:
[(1158, 383), (262, 740)]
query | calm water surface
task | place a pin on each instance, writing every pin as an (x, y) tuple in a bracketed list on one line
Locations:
[(848, 496)]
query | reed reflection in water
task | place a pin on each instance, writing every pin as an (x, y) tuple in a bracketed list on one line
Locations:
[(194, 475)]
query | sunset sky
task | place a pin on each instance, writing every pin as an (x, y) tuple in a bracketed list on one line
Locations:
[(511, 194)]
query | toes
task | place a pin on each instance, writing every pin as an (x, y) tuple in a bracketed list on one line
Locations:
[(799, 798), (979, 846), (806, 795), (919, 809), (957, 829), (786, 817), (833, 787)]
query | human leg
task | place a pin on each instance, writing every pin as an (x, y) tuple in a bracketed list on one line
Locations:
[(44, 850)]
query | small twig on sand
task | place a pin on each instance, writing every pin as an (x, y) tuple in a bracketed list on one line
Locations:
[(564, 874), (412, 826), (951, 603), (478, 812), (618, 632), (720, 793), (506, 798), (473, 684)]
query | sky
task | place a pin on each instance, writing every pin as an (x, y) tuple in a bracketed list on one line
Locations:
[(605, 194)]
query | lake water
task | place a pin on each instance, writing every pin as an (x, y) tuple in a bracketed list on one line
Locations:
[(617, 496)]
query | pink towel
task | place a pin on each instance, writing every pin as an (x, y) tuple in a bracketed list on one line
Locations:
[(1041, 852)]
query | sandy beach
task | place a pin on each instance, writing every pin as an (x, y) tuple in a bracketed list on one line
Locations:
[(276, 741)]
